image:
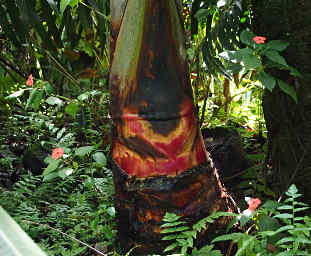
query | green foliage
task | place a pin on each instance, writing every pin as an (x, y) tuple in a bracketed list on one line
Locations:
[(280, 229), (183, 236), (251, 59), (81, 206)]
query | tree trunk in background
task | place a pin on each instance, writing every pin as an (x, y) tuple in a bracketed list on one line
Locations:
[(289, 124), (159, 160)]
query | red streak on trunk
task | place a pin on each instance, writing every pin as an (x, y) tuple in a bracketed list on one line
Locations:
[(171, 149)]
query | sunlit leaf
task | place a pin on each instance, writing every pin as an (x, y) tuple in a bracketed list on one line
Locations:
[(65, 172), (100, 158), (63, 5), (53, 100), (72, 108), (16, 94)]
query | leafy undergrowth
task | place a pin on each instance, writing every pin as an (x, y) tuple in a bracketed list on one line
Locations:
[(275, 229), (80, 206)]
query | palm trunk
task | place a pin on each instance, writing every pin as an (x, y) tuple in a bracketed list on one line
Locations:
[(159, 160)]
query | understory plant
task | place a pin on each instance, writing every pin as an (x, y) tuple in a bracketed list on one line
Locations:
[(279, 229)]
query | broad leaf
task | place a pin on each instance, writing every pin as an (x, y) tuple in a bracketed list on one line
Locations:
[(267, 81), (32, 97), (63, 5), (53, 101), (275, 57), (65, 172), (82, 151), (51, 167), (247, 37), (100, 158), (277, 45), (15, 94), (251, 62), (72, 108)]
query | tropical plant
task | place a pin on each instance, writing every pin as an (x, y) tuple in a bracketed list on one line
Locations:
[(275, 229)]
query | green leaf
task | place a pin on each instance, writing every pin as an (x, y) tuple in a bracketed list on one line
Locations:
[(84, 96), (285, 207), (74, 3), (15, 94), (82, 151), (65, 172), (301, 209), (172, 224), (53, 5), (294, 72), (202, 13), (174, 229), (270, 205), (51, 167), (48, 88), (267, 81), (277, 45), (63, 5), (292, 190), (53, 101), (170, 237), (251, 61), (100, 158), (246, 243), (234, 237), (171, 247), (37, 100), (72, 108), (31, 98), (275, 57), (50, 176), (284, 216), (246, 37), (170, 217), (268, 223), (285, 240)]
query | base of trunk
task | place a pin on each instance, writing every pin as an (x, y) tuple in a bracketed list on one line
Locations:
[(141, 204)]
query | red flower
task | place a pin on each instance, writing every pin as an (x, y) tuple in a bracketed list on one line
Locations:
[(259, 39), (57, 153), (253, 203), (29, 81)]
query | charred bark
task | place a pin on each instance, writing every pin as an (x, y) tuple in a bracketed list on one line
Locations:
[(159, 160)]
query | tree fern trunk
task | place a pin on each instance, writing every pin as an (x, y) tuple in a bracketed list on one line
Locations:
[(159, 160)]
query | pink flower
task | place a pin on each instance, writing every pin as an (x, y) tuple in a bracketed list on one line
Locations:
[(259, 39), (253, 203), (29, 81), (57, 153)]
